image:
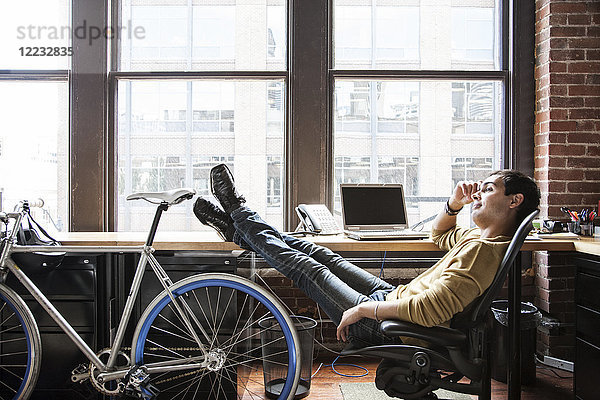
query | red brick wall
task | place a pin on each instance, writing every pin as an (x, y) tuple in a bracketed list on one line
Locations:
[(567, 125), (567, 144), (555, 283)]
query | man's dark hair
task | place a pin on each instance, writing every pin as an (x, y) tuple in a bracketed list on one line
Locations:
[(517, 182)]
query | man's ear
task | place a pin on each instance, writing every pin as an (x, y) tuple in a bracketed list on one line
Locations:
[(516, 200)]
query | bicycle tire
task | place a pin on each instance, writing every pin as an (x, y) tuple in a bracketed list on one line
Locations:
[(20, 347), (210, 297)]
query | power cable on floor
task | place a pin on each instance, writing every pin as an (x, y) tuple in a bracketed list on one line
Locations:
[(333, 364)]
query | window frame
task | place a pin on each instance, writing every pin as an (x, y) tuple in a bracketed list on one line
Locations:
[(515, 75), (308, 128), (50, 75), (114, 76)]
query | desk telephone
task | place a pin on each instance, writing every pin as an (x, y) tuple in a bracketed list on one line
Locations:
[(317, 218)]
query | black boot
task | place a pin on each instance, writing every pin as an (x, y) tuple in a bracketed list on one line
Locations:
[(223, 188), (211, 215)]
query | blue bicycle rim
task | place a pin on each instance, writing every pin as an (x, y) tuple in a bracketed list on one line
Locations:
[(18, 394), (139, 353)]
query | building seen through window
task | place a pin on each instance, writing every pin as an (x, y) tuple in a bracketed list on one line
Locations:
[(191, 126), (182, 127), (473, 108), (274, 181), (34, 109), (410, 130)]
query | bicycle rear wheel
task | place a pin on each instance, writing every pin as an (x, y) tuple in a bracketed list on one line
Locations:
[(228, 309), (20, 347)]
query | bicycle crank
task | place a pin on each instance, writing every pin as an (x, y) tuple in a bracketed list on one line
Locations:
[(113, 387)]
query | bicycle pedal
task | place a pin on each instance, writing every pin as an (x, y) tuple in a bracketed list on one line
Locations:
[(143, 391), (138, 384), (80, 373)]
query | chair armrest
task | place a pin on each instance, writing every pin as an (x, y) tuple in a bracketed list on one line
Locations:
[(437, 335)]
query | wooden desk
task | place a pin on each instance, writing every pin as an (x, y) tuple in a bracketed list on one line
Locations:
[(202, 241), (198, 241)]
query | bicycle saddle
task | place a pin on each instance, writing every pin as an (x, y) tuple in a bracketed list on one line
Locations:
[(171, 197)]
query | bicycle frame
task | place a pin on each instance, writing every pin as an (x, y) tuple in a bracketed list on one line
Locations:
[(146, 257)]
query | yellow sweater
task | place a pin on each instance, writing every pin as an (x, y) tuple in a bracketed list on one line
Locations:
[(463, 274)]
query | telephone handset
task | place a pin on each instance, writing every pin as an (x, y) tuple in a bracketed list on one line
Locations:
[(317, 218)]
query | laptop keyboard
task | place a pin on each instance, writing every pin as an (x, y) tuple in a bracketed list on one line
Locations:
[(389, 232)]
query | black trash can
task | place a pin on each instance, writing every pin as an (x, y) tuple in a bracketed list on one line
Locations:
[(530, 318), (275, 356)]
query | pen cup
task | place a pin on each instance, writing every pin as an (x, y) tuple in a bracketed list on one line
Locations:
[(574, 227), (587, 229)]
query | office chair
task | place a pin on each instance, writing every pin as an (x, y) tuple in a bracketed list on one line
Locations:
[(462, 350)]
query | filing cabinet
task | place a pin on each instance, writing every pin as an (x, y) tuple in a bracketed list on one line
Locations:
[(178, 265), (587, 321), (75, 290)]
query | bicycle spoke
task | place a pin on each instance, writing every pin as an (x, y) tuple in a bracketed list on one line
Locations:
[(210, 308), (7, 318), (237, 320), (172, 334), (166, 349), (11, 328), (12, 340), (254, 358), (189, 387), (13, 354), (13, 390), (10, 372), (213, 384), (197, 388), (192, 379), (247, 325), (225, 312), (266, 344), (161, 355), (228, 378), (175, 326), (181, 316), (247, 388)]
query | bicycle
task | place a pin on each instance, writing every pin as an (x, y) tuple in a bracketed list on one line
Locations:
[(196, 339)]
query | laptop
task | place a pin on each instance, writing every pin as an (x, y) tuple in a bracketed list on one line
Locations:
[(375, 211)]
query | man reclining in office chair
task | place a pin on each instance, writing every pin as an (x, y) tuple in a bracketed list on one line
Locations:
[(354, 299)]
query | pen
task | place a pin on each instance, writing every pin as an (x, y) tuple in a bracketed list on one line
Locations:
[(568, 211)]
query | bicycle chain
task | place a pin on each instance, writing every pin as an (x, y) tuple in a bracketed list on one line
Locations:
[(176, 377)]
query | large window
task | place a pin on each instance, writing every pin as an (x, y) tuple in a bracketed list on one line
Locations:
[(34, 107), (172, 129), (394, 91), (416, 128)]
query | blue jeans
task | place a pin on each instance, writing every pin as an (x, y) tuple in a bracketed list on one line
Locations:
[(332, 282)]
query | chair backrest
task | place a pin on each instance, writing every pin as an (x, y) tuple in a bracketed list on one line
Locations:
[(475, 311)]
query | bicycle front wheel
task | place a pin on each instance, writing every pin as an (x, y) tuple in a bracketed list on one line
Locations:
[(20, 347), (225, 311)]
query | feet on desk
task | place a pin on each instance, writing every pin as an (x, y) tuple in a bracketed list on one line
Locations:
[(211, 215), (223, 188)]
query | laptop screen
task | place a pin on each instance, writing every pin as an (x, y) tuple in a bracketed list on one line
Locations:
[(373, 205)]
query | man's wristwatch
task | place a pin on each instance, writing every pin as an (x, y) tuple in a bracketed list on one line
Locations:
[(450, 211)]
